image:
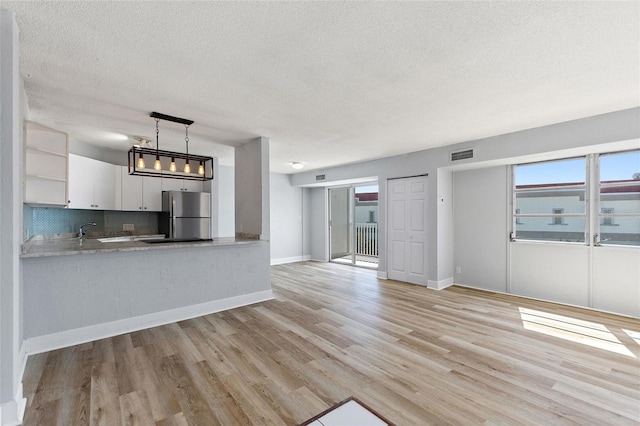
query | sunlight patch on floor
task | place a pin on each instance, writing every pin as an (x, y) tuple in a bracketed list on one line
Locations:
[(633, 334), (365, 261), (575, 330)]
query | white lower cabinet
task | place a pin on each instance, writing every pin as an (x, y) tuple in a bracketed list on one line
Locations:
[(140, 193), (92, 184)]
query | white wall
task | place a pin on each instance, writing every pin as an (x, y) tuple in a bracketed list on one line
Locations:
[(226, 201), (616, 280), (288, 233), (252, 188), (11, 159), (107, 155), (480, 228), (445, 229), (550, 271)]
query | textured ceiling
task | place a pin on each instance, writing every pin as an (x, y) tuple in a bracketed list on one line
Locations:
[(329, 83)]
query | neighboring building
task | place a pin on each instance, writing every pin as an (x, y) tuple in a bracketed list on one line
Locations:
[(558, 202)]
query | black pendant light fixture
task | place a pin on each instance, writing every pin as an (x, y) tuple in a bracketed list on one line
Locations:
[(169, 164)]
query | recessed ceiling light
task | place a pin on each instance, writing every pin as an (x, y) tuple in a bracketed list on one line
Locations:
[(297, 165)]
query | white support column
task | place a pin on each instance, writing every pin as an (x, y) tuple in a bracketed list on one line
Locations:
[(11, 357), (252, 188)]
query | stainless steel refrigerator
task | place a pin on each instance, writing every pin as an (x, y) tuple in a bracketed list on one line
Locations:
[(186, 215)]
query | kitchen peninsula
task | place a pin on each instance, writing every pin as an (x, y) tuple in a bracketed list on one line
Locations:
[(79, 290), (71, 244)]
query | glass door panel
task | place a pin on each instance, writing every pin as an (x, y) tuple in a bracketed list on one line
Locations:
[(353, 225), (340, 224)]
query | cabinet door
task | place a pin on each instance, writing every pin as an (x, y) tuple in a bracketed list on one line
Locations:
[(152, 194), (193, 185), (171, 184), (104, 186), (131, 191), (80, 183)]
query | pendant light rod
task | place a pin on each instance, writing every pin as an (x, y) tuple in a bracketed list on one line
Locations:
[(166, 117)]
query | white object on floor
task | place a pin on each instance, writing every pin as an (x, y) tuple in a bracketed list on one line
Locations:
[(349, 414)]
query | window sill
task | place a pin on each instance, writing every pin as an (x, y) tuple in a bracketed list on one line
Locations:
[(542, 242)]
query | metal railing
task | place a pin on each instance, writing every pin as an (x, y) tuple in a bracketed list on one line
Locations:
[(367, 239)]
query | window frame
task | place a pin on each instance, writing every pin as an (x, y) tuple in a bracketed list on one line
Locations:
[(597, 209), (593, 215), (517, 217)]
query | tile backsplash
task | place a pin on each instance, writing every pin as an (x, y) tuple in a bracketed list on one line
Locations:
[(46, 220)]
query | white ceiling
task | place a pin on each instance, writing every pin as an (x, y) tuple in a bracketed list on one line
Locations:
[(328, 82)]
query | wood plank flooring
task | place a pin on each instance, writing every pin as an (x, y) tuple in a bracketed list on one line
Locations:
[(416, 356)]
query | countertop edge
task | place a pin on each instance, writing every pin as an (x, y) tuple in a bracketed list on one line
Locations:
[(139, 246)]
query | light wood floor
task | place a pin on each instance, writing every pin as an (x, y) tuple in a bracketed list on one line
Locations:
[(416, 356)]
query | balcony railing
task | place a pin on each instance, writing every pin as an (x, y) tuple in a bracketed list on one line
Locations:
[(367, 239)]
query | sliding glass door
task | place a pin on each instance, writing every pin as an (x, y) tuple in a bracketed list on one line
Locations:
[(353, 225), (340, 224)]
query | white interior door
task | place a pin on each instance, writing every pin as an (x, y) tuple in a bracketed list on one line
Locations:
[(407, 229)]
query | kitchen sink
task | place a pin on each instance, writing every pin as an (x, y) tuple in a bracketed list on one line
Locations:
[(175, 240), (126, 238)]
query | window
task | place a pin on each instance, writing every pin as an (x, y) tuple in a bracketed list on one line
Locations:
[(549, 194), (518, 218), (619, 198), (605, 214), (558, 220), (555, 193)]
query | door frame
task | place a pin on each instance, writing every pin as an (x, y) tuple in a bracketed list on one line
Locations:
[(352, 220)]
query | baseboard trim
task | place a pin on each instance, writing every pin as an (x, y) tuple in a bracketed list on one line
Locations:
[(293, 259), (49, 342), (441, 284), (23, 356), (11, 412), (487, 290), (383, 275)]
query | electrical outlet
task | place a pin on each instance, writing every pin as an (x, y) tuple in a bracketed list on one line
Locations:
[(458, 270), (128, 227)]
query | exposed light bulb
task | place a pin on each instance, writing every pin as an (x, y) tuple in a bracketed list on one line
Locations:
[(141, 164), (187, 167), (157, 165), (201, 169), (172, 166)]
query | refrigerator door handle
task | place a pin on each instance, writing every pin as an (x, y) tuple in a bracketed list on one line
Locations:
[(172, 216)]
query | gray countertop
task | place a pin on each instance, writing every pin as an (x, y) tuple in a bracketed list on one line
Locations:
[(69, 244)]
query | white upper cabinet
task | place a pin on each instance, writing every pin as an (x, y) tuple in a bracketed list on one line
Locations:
[(140, 193), (46, 165), (92, 184), (104, 186), (152, 194), (182, 185)]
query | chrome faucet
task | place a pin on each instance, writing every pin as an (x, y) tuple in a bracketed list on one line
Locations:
[(82, 232)]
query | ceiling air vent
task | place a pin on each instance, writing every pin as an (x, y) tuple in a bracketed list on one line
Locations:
[(320, 177), (461, 155)]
